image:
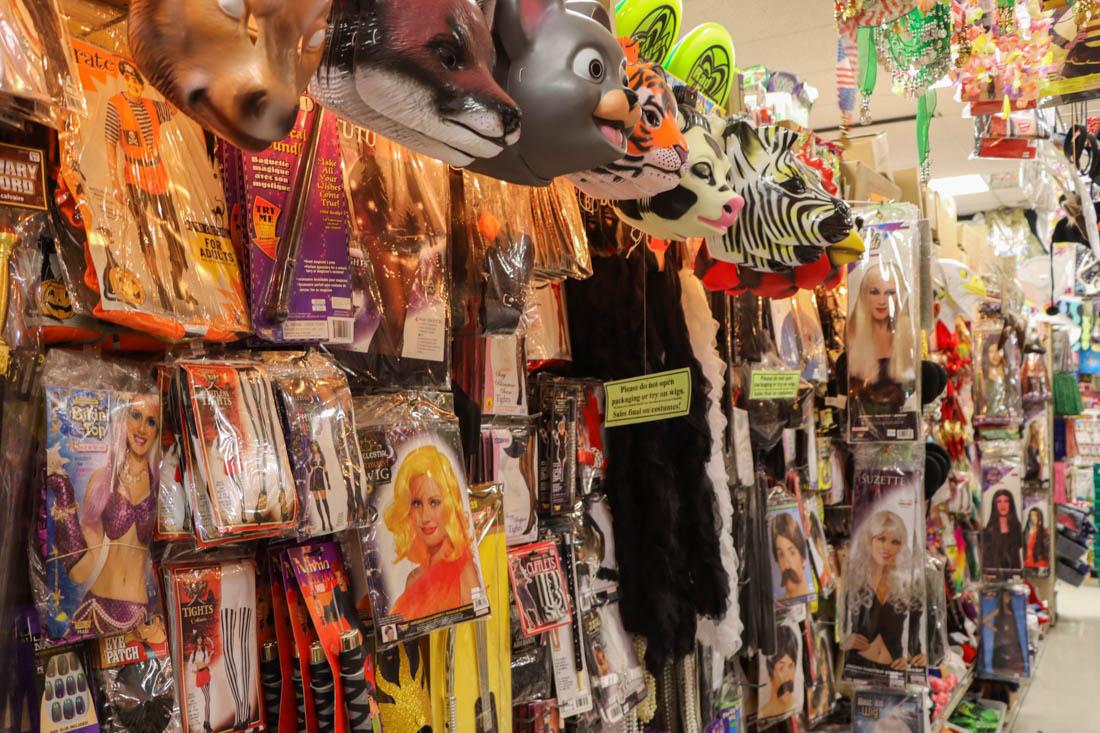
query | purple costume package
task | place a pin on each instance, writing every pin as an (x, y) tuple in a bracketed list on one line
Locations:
[(319, 307), (102, 457)]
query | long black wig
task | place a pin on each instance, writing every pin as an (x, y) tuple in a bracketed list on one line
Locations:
[(626, 321)]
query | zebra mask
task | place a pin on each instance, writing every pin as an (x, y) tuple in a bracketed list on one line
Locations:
[(792, 233)]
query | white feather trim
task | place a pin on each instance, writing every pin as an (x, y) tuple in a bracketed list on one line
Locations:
[(724, 634)]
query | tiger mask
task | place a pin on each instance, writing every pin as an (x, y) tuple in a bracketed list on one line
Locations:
[(656, 150), (703, 204)]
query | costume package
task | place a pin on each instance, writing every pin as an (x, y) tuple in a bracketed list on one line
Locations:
[(875, 709), (99, 498), (883, 622), (998, 401), (421, 561), (297, 221), (561, 247), (159, 246), (173, 507), (882, 329), (399, 204), (241, 486), (136, 676), (1004, 643), (821, 690), (547, 340), (781, 674), (324, 450), (37, 78), (572, 461), (1002, 527), (212, 628)]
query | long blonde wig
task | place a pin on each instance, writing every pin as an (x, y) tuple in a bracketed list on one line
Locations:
[(862, 356), (426, 461), (858, 579)]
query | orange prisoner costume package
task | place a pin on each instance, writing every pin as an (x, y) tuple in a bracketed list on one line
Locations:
[(159, 251)]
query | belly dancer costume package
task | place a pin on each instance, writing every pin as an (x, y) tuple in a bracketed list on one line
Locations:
[(102, 453), (212, 612), (243, 486), (159, 247), (422, 563), (324, 451), (883, 636), (882, 326)]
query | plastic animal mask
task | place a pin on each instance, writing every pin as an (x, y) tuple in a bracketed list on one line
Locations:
[(201, 56), (565, 69), (704, 204), (420, 73), (656, 150), (789, 218)]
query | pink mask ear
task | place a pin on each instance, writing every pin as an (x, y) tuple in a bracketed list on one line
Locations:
[(530, 13)]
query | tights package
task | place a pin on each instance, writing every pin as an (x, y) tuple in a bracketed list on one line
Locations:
[(159, 247), (401, 273), (240, 482), (324, 451), (212, 628), (99, 497), (882, 330), (883, 638)]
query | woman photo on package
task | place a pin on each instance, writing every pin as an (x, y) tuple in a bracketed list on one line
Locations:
[(103, 450), (997, 398), (1036, 534), (882, 339), (1004, 632), (1002, 531), (883, 580)]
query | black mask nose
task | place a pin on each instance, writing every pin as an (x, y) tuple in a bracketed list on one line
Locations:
[(510, 118)]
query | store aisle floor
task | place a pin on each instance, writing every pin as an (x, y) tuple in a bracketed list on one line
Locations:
[(1063, 695)]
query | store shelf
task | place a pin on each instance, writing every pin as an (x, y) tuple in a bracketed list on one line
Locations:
[(1025, 687), (956, 698)]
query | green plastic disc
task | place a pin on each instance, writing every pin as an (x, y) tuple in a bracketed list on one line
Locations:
[(704, 59), (653, 24)]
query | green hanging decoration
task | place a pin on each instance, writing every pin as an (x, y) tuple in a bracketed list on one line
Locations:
[(916, 48), (868, 72), (926, 108)]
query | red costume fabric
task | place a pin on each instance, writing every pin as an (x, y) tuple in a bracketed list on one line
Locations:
[(438, 589)]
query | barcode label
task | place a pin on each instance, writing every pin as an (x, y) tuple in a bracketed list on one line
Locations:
[(906, 434), (481, 603), (340, 330)]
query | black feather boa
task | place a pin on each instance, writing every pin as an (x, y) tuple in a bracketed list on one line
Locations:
[(626, 321)]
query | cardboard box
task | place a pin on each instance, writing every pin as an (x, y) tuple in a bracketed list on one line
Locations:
[(871, 150), (862, 183), (912, 191)]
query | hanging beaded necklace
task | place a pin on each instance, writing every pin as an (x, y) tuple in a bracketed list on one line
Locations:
[(916, 48)]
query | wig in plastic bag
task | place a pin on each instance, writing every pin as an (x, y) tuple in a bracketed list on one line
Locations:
[(792, 234), (704, 204), (565, 70), (661, 497), (236, 68), (419, 72), (656, 150)]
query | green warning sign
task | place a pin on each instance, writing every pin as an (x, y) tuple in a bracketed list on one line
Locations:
[(646, 399), (774, 384)]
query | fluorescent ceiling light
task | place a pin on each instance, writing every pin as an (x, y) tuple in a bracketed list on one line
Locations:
[(960, 185)]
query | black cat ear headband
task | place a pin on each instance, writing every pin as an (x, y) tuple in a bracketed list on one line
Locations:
[(1082, 149)]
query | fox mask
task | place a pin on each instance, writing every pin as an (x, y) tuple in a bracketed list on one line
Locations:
[(201, 56), (562, 65), (420, 73)]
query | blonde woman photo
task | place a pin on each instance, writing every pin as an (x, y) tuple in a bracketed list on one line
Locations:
[(431, 528), (883, 628), (882, 353)]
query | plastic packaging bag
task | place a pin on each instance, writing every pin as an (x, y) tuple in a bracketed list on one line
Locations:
[(883, 384), (137, 681), (153, 207), (561, 248), (1001, 508), (38, 80), (413, 456), (399, 203), (1004, 641), (103, 452), (324, 450), (875, 709), (997, 397), (884, 640)]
